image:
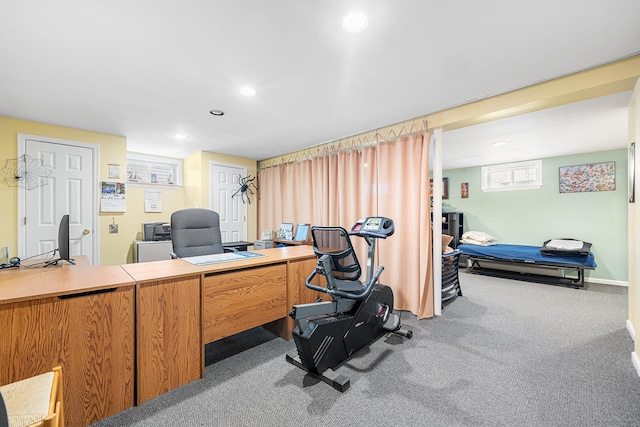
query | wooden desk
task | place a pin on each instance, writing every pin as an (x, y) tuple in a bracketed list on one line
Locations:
[(293, 242), (77, 316), (181, 307), (168, 326), (85, 318)]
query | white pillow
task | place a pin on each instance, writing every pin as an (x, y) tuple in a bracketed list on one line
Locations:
[(478, 238)]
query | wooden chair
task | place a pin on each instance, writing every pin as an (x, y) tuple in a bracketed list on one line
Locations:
[(35, 401)]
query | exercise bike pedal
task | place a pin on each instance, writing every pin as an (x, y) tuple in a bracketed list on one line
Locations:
[(392, 323)]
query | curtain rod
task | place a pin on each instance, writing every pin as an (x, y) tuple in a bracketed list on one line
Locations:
[(353, 142)]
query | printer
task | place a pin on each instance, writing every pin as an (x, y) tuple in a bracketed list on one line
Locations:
[(156, 231)]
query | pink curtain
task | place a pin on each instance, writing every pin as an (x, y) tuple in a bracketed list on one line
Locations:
[(390, 179)]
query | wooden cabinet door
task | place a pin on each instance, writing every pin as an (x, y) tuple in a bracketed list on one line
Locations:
[(169, 335), (91, 335)]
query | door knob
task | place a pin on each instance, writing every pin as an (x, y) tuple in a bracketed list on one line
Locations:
[(86, 231)]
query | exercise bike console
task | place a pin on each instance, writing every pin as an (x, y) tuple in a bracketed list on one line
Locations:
[(374, 226), (327, 333)]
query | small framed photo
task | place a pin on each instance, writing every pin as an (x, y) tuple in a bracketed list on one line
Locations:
[(114, 170), (445, 188), (286, 231), (464, 190), (302, 232)]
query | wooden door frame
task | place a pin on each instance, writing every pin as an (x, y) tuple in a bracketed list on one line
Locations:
[(21, 226), (213, 163)]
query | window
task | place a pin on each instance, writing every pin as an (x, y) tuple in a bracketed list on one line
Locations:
[(512, 176), (145, 169)]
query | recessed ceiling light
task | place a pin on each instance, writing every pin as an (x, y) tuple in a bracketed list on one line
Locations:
[(180, 136), (355, 22), (499, 143), (248, 91), (217, 112)]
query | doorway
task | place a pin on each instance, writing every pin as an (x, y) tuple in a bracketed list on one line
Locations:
[(224, 182), (71, 189)]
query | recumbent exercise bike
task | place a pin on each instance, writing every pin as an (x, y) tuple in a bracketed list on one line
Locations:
[(327, 333)]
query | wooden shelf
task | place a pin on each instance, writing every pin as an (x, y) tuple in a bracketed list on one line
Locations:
[(292, 242)]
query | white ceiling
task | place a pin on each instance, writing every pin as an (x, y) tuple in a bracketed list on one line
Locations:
[(149, 69), (595, 125)]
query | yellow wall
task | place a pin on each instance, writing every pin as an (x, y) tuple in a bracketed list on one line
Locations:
[(198, 187), (113, 149), (114, 248), (130, 223)]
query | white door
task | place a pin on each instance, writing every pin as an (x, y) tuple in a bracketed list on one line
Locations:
[(225, 181), (70, 190)]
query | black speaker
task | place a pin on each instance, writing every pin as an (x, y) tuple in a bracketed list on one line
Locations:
[(13, 262)]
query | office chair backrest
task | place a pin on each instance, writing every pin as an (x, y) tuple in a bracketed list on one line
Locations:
[(335, 242), (196, 231)]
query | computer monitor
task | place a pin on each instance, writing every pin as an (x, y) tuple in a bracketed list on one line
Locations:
[(63, 241)]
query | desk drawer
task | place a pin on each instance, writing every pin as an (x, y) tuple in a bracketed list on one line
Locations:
[(240, 300)]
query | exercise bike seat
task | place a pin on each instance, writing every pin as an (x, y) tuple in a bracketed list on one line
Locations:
[(354, 287)]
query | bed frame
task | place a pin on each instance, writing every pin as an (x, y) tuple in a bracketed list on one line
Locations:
[(527, 263)]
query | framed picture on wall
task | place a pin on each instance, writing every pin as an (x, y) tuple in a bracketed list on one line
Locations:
[(464, 190), (445, 188), (588, 177)]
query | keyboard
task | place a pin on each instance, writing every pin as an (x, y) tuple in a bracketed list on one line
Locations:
[(223, 257)]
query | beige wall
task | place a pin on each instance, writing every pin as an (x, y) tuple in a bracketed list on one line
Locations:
[(114, 248)]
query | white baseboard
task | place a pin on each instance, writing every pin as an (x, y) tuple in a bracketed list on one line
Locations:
[(636, 362), (606, 281), (631, 330)]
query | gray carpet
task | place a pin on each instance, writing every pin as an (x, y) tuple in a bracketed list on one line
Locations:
[(508, 353)]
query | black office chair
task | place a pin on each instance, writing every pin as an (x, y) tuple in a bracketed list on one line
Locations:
[(196, 231)]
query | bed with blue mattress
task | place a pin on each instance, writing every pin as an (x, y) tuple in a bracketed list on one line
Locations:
[(530, 263)]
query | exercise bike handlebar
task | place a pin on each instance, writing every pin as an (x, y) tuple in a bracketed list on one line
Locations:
[(368, 234), (350, 295)]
